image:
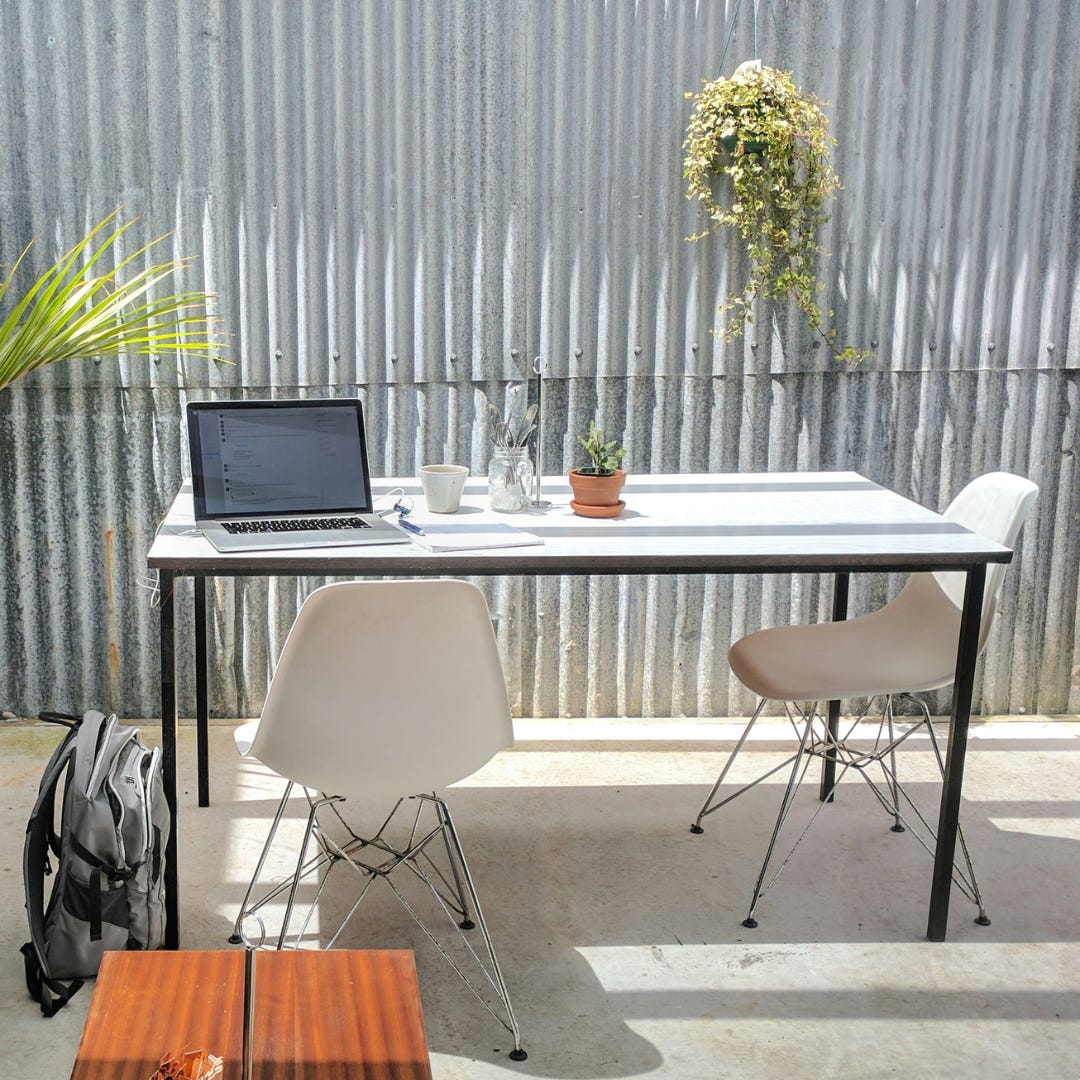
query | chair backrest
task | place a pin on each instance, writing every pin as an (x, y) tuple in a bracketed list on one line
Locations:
[(386, 689), (995, 506)]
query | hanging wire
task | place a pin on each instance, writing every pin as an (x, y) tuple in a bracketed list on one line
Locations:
[(731, 31), (779, 40)]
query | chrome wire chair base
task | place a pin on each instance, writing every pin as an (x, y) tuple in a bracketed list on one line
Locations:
[(427, 849), (816, 740)]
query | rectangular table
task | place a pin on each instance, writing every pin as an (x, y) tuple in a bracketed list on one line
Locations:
[(328, 1013), (752, 523)]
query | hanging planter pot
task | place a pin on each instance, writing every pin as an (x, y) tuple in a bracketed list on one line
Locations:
[(741, 141), (733, 147)]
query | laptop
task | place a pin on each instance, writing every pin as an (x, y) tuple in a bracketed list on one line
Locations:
[(270, 475)]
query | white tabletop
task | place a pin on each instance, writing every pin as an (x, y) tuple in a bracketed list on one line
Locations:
[(694, 523)]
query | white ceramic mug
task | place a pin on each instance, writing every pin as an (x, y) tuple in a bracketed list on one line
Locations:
[(442, 486)]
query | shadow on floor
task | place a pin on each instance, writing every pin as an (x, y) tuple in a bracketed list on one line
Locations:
[(620, 933)]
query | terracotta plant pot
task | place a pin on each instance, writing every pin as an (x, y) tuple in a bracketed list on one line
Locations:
[(597, 496)]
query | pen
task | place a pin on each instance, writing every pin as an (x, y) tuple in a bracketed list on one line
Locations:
[(410, 526)]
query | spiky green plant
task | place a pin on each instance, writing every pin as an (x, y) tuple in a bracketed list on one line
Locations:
[(82, 307)]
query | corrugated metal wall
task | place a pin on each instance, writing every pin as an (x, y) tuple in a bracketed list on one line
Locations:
[(415, 199)]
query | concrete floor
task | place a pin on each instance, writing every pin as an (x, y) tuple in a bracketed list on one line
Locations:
[(619, 932)]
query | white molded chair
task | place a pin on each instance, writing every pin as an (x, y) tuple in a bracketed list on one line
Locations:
[(385, 692), (908, 646)]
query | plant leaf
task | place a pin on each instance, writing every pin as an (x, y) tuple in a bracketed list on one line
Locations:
[(74, 310)]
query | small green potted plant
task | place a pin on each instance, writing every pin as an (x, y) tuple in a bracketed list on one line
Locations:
[(757, 159), (597, 486)]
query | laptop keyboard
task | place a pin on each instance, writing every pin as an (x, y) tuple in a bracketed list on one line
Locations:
[(294, 525)]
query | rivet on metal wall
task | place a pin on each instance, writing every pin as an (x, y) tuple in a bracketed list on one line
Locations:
[(278, 354), (637, 350), (336, 356), (514, 353), (873, 343), (695, 347), (991, 347), (1050, 346), (933, 346), (393, 358), (579, 353), (97, 361), (453, 358), (753, 346), (157, 359)]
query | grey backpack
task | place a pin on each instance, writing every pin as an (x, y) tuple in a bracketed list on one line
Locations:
[(108, 891)]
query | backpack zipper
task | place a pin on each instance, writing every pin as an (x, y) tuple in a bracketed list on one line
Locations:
[(117, 805)]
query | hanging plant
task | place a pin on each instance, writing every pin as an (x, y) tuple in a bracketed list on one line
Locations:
[(772, 140)]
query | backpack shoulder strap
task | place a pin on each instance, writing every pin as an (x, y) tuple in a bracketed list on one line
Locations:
[(40, 836)]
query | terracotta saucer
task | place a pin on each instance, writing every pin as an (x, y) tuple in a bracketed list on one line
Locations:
[(597, 511)]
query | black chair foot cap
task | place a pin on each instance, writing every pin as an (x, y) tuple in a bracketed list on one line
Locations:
[(697, 830), (750, 922), (898, 828), (467, 924), (982, 920), (235, 939), (518, 1055)]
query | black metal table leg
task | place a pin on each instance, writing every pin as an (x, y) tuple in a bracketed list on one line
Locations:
[(967, 653), (828, 763), (202, 710), (167, 645)]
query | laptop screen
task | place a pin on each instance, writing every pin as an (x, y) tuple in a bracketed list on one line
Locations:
[(268, 458)]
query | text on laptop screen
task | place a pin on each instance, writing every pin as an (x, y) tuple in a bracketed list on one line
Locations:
[(281, 459)]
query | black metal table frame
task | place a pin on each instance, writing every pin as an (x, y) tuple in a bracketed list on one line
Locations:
[(462, 564)]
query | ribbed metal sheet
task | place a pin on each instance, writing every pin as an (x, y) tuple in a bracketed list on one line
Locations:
[(415, 200)]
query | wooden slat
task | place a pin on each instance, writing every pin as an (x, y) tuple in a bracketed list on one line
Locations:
[(318, 1015), (148, 1004)]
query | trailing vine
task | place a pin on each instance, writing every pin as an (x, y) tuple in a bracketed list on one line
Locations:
[(772, 140)]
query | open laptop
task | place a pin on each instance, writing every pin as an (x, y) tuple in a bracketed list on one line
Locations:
[(283, 474)]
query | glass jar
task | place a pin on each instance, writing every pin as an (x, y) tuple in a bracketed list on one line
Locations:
[(510, 479)]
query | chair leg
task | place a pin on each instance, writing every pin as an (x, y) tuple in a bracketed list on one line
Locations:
[(304, 866), (463, 876), (237, 937), (967, 883), (298, 874), (492, 971), (798, 762), (452, 887), (888, 795), (708, 807), (976, 894), (450, 842), (891, 780), (785, 806)]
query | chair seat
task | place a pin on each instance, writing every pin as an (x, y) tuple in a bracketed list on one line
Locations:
[(894, 650)]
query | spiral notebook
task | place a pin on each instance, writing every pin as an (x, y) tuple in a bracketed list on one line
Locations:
[(471, 535)]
